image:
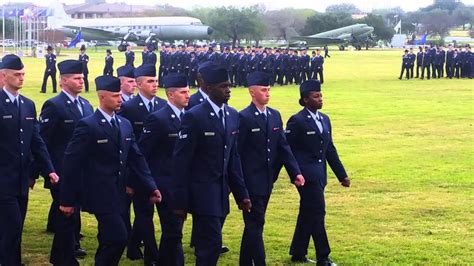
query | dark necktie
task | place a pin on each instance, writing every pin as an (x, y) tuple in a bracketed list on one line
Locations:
[(222, 117), (181, 116), (15, 103), (113, 123), (150, 107), (78, 106), (115, 127)]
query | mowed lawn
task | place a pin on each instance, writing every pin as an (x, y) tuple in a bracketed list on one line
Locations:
[(408, 147)]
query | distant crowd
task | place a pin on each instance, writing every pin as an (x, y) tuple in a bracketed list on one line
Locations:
[(435, 62), (284, 66)]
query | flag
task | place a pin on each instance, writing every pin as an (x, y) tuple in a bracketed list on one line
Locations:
[(76, 40), (398, 27)]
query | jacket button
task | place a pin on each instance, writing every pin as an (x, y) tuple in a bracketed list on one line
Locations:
[(119, 173), (120, 151), (320, 161), (21, 129), (225, 146)]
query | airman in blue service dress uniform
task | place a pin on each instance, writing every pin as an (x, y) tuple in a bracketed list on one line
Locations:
[(94, 165), (109, 64), (50, 70), (263, 149), (58, 118), (160, 133), (136, 111), (207, 165), (200, 95), (84, 58), (127, 82), (310, 139), (129, 56), (19, 140)]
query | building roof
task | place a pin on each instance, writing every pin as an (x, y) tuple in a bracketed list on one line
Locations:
[(107, 8)]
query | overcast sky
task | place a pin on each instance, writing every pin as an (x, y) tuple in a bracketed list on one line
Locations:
[(319, 5)]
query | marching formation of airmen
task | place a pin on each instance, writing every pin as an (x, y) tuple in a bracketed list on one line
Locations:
[(184, 154), (438, 63), (284, 66)]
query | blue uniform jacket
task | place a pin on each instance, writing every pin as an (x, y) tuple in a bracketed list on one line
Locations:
[(160, 133), (313, 149), (19, 139), (263, 149), (58, 119), (94, 165), (207, 163)]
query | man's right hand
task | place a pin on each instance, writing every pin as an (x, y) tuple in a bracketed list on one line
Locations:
[(181, 214), (68, 211), (299, 181)]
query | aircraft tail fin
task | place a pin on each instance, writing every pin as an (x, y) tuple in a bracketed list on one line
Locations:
[(57, 16), (291, 33)]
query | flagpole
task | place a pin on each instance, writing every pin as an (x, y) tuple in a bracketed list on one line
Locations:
[(3, 29)]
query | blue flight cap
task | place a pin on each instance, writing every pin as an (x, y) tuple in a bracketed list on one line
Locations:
[(175, 80), (147, 70), (258, 78), (107, 83), (125, 71), (309, 86), (214, 74), (70, 67), (11, 61)]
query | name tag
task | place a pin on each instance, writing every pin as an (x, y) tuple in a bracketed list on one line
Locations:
[(68, 121), (7, 116), (310, 132), (128, 139), (138, 123), (29, 118), (101, 141), (172, 135), (207, 134), (255, 129)]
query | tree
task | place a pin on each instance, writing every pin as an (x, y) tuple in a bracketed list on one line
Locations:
[(320, 22), (437, 21), (381, 31), (278, 21), (343, 8), (449, 5), (236, 23), (463, 16)]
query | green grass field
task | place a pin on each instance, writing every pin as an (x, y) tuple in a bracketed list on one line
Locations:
[(407, 145)]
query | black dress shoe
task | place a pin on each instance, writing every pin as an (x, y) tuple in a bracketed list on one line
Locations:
[(224, 249), (135, 254), (80, 253), (302, 259), (326, 262)]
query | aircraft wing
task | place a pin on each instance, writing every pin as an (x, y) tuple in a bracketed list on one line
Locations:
[(317, 41), (94, 34)]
